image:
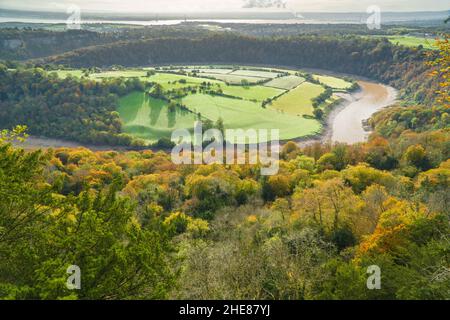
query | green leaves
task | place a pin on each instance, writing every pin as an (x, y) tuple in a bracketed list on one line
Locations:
[(42, 235)]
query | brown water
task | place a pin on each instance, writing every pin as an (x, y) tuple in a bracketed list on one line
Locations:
[(347, 124)]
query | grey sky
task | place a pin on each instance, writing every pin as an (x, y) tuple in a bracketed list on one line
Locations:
[(224, 5)]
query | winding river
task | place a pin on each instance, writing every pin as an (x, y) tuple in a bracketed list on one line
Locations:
[(345, 123)]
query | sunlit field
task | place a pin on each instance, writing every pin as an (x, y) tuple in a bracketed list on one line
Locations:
[(242, 97)]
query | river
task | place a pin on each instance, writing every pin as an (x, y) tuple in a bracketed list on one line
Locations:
[(346, 125)]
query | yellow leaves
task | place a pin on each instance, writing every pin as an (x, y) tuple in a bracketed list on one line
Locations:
[(18, 133), (71, 218), (304, 162), (143, 183), (197, 185), (43, 185), (327, 161), (280, 185), (179, 222), (397, 213), (57, 163), (252, 219), (111, 167), (134, 223), (98, 175), (80, 155), (55, 212), (436, 177), (362, 176), (442, 71), (155, 209), (328, 204), (248, 187), (294, 218), (445, 164), (329, 174), (198, 227), (208, 182)]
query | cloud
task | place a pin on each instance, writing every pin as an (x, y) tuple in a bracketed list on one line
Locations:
[(279, 4)]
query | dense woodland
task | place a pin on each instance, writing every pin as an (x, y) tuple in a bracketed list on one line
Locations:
[(140, 227), (79, 110), (27, 43)]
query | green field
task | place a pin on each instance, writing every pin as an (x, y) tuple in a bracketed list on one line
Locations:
[(298, 101), (209, 70), (65, 73), (149, 119), (241, 107), (255, 73), (333, 82), (258, 93), (172, 81), (234, 79), (287, 83), (243, 114), (411, 41), (119, 74)]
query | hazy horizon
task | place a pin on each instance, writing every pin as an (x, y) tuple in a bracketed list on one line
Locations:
[(205, 6)]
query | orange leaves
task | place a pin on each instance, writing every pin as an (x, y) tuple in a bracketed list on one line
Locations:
[(389, 233)]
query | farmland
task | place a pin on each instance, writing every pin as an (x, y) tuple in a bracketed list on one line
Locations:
[(250, 115), (149, 119), (258, 93), (286, 83), (411, 41), (242, 97), (298, 101), (333, 82)]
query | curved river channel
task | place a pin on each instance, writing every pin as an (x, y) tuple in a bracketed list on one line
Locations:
[(346, 123)]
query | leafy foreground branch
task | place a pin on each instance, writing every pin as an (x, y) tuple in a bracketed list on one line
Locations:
[(42, 232)]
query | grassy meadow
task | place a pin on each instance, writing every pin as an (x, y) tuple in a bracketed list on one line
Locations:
[(286, 83), (240, 106), (411, 41), (333, 82), (298, 102), (243, 114), (149, 119), (258, 93)]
